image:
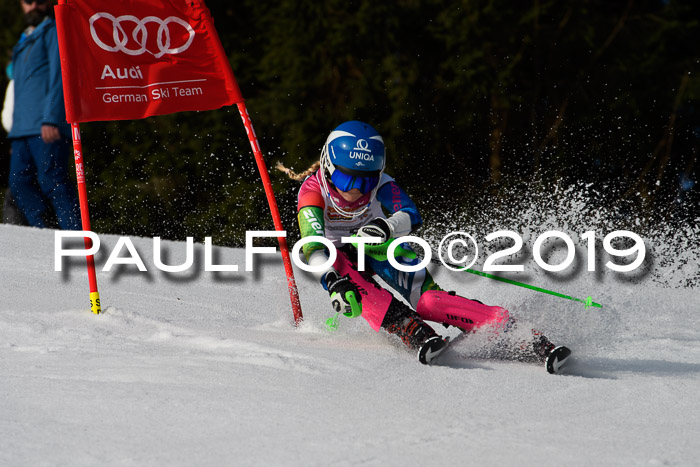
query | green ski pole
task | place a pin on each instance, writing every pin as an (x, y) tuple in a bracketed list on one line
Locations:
[(380, 252), (588, 302)]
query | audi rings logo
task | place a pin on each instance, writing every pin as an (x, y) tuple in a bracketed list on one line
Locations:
[(136, 44)]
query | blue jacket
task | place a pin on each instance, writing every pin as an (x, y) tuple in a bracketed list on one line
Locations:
[(36, 70)]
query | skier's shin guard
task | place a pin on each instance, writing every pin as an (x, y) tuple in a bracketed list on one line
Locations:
[(375, 300), (448, 308)]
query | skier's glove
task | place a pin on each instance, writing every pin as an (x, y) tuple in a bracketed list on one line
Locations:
[(378, 228), (345, 298)]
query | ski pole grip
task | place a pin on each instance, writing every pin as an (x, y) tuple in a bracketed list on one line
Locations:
[(355, 306)]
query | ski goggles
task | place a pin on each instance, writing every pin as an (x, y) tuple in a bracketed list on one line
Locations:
[(345, 182)]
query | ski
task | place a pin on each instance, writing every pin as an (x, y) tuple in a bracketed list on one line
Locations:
[(557, 359), (431, 348), (554, 362)]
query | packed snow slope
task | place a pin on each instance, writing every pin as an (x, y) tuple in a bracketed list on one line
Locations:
[(202, 368)]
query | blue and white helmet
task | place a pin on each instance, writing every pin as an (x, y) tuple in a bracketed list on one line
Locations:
[(354, 156)]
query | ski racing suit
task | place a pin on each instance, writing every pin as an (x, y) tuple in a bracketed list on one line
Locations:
[(380, 308)]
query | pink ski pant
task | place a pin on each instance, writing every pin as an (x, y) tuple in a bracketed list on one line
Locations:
[(434, 305)]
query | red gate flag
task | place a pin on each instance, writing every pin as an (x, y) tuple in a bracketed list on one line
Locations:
[(129, 59)]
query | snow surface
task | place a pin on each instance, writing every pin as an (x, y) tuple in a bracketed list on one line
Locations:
[(202, 368)]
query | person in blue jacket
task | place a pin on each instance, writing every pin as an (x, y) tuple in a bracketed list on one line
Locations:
[(40, 134)]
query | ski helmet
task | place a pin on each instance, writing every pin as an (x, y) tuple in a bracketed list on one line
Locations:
[(353, 156)]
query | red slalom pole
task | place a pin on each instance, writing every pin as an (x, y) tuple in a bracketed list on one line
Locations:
[(85, 216), (262, 168)]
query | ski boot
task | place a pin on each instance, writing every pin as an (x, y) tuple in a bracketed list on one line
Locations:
[(405, 323)]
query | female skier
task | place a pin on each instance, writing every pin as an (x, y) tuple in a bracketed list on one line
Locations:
[(347, 192)]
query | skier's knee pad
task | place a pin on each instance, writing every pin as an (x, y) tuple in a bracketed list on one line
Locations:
[(448, 308)]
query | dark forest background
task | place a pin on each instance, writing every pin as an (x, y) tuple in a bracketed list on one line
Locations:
[(472, 97)]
